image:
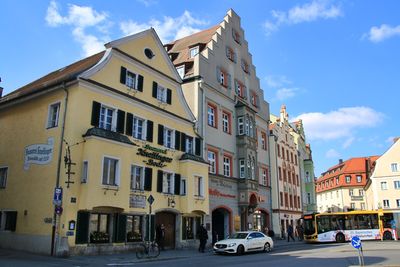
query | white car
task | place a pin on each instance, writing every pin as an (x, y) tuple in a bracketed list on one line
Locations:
[(242, 242)]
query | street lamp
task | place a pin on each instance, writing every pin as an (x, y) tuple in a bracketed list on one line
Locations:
[(171, 202)]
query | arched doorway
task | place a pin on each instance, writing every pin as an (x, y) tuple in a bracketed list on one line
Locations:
[(261, 221), (221, 220), (168, 219)]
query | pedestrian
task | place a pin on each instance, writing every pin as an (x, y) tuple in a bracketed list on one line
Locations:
[(203, 236), (160, 236), (299, 232), (290, 233), (266, 230)]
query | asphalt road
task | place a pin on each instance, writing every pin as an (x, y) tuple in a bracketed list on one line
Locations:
[(284, 254)]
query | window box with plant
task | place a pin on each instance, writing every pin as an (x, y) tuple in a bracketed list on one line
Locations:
[(99, 237)]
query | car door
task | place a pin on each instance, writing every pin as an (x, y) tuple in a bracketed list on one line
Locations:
[(260, 240), (252, 241)]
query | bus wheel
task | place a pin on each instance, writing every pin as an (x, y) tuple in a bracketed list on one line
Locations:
[(387, 235), (340, 238)]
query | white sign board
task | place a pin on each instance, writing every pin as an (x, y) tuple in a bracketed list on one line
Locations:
[(137, 201), (41, 154)]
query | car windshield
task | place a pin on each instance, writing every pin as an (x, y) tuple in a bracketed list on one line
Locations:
[(238, 236)]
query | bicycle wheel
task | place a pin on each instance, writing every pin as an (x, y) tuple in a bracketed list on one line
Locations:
[(154, 250), (141, 251)]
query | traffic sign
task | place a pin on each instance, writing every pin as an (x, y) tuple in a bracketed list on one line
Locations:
[(356, 242), (57, 198), (58, 210), (150, 199)]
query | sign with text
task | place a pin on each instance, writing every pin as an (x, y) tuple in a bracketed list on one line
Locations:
[(137, 201), (154, 155), (57, 198), (40, 154)]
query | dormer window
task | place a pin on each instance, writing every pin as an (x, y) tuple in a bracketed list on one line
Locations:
[(181, 71), (236, 36), (194, 51)]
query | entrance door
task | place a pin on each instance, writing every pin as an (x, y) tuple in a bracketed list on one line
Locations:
[(220, 224), (168, 219)]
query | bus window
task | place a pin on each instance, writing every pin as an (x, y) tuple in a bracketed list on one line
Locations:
[(324, 224), (337, 222), (373, 221), (350, 222), (309, 227)]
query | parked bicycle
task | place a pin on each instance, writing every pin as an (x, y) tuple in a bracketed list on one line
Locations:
[(148, 249)]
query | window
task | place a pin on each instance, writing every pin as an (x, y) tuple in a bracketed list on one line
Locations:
[(398, 203), (263, 140), (99, 228), (230, 54), (240, 126), (337, 180), (223, 78), (226, 122), (361, 192), (110, 171), (240, 89), (194, 51), (137, 177), (352, 205), (212, 160), (133, 228), (295, 159), (359, 178), (396, 184), (383, 186), (131, 79), (351, 193), (168, 138), (394, 167), (279, 151), (3, 177), (198, 186), (107, 118), (183, 187), (264, 175), (212, 115), (386, 203), (181, 71), (227, 165), (85, 167), (189, 148), (348, 179), (254, 99), (52, 119), (362, 206), (8, 220), (308, 198), (242, 173), (162, 93), (138, 128), (236, 36), (188, 228), (168, 183)]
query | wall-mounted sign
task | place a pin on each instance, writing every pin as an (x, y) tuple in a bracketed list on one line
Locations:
[(57, 198), (217, 193), (70, 233), (71, 225), (154, 155), (41, 154), (48, 220), (137, 201)]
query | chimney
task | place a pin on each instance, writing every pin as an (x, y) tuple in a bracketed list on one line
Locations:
[(340, 161), (394, 139)]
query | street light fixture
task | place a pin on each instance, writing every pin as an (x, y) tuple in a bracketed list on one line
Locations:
[(171, 202)]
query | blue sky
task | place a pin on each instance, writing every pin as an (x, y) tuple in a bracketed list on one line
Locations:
[(334, 64)]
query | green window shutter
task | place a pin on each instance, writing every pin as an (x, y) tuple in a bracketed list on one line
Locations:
[(140, 83), (177, 140), (155, 86), (153, 217), (160, 134), (177, 184), (119, 228), (96, 106), (148, 177), (197, 146), (183, 142), (122, 78), (82, 227), (120, 121), (149, 134), (159, 181), (169, 96), (129, 121)]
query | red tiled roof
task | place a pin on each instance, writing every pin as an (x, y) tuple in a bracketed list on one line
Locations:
[(67, 73)]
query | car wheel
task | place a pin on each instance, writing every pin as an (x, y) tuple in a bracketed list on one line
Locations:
[(340, 238), (387, 235), (240, 250), (267, 247)]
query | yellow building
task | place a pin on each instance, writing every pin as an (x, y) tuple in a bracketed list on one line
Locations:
[(86, 147)]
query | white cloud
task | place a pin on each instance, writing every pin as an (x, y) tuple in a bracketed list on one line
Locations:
[(315, 10), (285, 93), (168, 29), (348, 142), (277, 81), (147, 3), (332, 153), (379, 34), (341, 123), (81, 18)]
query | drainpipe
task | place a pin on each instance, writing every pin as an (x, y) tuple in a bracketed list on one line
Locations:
[(54, 234)]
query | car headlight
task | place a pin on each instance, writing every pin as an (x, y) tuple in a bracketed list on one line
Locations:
[(231, 245)]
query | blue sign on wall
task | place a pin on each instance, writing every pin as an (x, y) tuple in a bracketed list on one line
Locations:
[(57, 199)]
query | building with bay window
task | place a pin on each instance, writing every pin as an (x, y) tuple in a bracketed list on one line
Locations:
[(223, 92), (89, 147)]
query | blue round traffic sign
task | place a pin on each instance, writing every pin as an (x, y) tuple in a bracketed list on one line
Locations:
[(356, 242)]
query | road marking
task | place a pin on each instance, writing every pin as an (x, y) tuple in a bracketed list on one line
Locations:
[(120, 264)]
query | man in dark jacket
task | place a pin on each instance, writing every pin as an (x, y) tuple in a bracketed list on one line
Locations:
[(203, 236)]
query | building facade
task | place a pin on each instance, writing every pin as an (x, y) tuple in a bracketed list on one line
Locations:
[(383, 187), (341, 187), (286, 185), (223, 91), (101, 152)]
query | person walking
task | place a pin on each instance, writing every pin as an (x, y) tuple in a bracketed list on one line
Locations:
[(160, 236), (203, 236), (290, 233)]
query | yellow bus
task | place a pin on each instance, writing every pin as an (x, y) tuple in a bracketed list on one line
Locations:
[(342, 226)]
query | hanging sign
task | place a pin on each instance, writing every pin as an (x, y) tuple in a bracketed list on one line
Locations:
[(41, 154)]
